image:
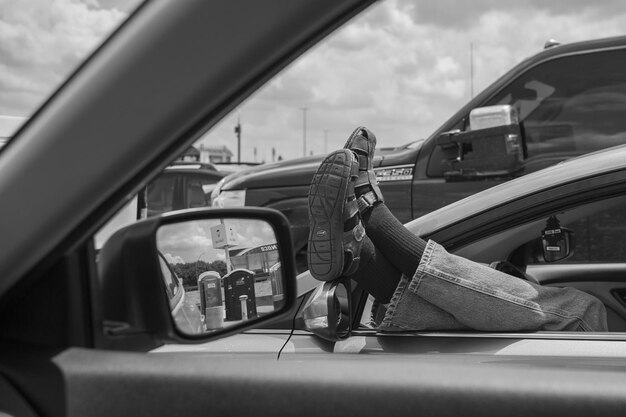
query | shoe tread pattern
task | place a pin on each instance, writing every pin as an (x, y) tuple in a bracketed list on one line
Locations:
[(327, 197)]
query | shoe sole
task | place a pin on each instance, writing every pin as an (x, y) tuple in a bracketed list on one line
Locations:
[(327, 198)]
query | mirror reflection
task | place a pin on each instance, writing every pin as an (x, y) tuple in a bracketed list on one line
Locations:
[(220, 272)]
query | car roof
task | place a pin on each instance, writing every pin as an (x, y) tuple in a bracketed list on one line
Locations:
[(193, 164), (604, 161), (197, 167)]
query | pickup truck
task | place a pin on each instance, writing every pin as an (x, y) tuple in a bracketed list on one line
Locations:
[(565, 101)]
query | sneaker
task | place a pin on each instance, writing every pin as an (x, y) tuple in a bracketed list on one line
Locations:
[(336, 231), (363, 143)]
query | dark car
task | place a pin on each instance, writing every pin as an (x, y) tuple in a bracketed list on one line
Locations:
[(182, 185), (568, 101)]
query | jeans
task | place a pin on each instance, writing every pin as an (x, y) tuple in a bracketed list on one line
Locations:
[(449, 292)]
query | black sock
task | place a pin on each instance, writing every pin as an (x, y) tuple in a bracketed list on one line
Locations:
[(375, 273), (401, 247)]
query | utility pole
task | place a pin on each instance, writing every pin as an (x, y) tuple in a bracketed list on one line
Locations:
[(325, 141), (238, 133), (471, 70), (304, 110)]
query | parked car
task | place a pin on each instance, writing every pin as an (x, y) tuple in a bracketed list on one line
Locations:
[(77, 326), (568, 100), (181, 185)]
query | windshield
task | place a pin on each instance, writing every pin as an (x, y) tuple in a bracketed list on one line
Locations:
[(42, 43)]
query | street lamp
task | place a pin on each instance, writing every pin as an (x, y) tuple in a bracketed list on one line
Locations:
[(238, 133), (304, 110), (198, 260)]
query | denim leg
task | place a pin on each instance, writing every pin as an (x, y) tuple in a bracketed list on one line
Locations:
[(450, 292), (408, 311)]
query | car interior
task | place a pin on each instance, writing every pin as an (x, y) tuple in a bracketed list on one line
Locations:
[(595, 264), (78, 325)]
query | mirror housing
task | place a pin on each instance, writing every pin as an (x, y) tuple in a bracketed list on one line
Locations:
[(138, 283), (492, 147), (327, 313)]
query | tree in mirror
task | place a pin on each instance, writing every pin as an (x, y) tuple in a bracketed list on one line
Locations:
[(219, 272)]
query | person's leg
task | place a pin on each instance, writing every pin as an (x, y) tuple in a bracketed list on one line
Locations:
[(400, 246), (396, 242), (381, 279), (337, 244), (473, 295), (484, 299), (375, 273), (335, 228)]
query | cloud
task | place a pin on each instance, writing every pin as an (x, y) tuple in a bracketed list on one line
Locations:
[(401, 68), (192, 240), (404, 67), (173, 259), (42, 43), (462, 15)]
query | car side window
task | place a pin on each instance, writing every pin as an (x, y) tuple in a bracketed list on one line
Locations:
[(195, 194), (198, 189), (598, 238), (160, 195), (569, 106)]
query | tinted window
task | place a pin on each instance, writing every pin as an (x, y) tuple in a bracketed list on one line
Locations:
[(198, 189), (570, 106), (599, 237), (161, 194), (195, 194), (567, 107)]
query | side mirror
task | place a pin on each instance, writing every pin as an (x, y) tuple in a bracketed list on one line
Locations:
[(492, 147), (196, 275), (327, 312)]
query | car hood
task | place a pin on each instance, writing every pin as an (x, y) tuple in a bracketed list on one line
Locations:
[(300, 171)]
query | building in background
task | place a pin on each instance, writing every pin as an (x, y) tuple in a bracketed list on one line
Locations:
[(218, 155), (206, 154), (259, 259)]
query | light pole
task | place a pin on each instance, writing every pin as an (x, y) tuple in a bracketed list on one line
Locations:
[(304, 110), (198, 260), (238, 133), (471, 70)]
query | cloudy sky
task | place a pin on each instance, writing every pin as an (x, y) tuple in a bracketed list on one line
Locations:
[(192, 240), (401, 68)]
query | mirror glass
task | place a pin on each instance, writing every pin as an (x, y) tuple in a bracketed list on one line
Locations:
[(220, 272)]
